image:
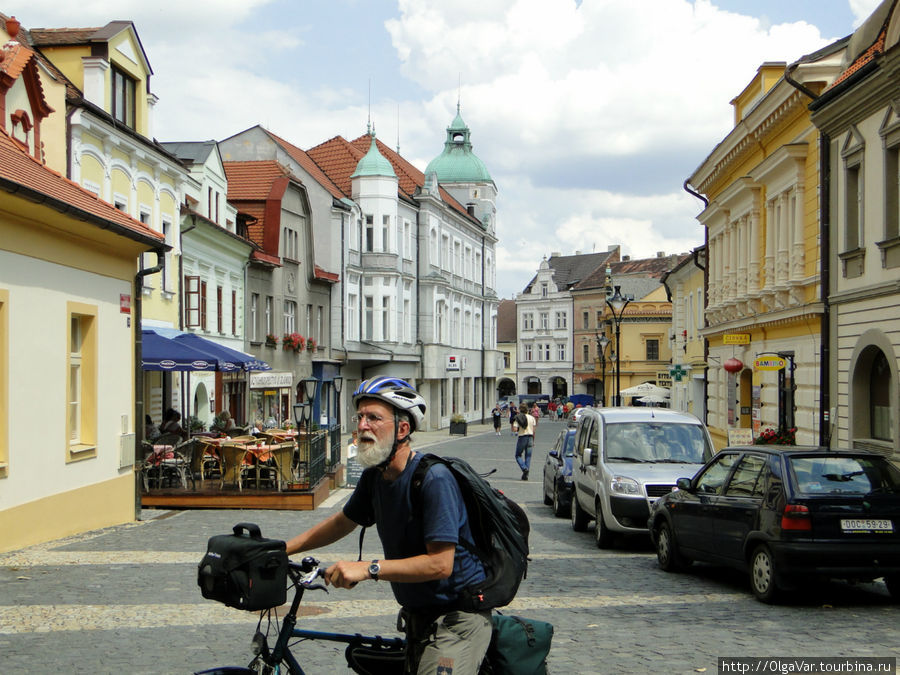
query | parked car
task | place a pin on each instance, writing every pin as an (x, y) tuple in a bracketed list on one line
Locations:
[(625, 459), (784, 514), (558, 473)]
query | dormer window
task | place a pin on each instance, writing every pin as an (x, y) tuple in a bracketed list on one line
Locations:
[(122, 97)]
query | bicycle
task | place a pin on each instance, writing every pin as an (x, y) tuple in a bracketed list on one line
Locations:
[(366, 654)]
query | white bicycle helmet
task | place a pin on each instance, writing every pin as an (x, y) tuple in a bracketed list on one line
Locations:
[(396, 392)]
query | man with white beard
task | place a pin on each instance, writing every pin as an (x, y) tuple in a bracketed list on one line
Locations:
[(424, 557)]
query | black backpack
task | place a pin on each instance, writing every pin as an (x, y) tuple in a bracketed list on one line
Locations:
[(499, 527)]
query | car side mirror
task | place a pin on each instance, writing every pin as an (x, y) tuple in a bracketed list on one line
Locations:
[(587, 456), (553, 453), (683, 484)]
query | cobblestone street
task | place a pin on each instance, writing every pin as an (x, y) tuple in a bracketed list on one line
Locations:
[(125, 599)]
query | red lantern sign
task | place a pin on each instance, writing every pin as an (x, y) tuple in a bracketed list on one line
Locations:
[(733, 365)]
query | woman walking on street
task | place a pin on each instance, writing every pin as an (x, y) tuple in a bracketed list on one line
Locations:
[(498, 416)]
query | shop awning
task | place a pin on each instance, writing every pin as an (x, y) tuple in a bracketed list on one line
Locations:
[(229, 359), (162, 353)]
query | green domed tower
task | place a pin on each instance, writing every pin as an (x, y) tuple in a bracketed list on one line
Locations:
[(464, 175)]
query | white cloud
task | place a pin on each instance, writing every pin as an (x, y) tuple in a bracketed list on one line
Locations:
[(588, 115)]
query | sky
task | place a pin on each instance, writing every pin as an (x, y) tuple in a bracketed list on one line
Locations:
[(589, 114)]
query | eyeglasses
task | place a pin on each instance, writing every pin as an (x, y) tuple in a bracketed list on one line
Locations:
[(371, 419)]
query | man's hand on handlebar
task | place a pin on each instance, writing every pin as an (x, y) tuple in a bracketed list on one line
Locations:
[(346, 574)]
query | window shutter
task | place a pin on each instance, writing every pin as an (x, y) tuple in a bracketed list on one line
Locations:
[(203, 305), (192, 301)]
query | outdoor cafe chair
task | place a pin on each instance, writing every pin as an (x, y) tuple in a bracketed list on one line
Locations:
[(282, 454), (233, 455)]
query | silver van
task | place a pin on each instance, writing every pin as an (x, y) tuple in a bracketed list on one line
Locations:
[(625, 459)]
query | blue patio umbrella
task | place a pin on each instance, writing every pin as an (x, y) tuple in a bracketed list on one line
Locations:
[(229, 359), (161, 353)]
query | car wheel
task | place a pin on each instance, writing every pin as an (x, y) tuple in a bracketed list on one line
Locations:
[(667, 554), (603, 536), (580, 517), (892, 581), (559, 509), (762, 575)]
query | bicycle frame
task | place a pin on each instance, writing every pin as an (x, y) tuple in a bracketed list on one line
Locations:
[(281, 653)]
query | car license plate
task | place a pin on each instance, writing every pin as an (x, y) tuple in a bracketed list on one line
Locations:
[(866, 525)]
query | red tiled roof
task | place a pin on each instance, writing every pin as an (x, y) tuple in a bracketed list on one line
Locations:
[(14, 56), (308, 165), (16, 166), (864, 58), (338, 159), (253, 180)]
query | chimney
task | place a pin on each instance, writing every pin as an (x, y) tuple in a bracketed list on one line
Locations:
[(577, 252), (12, 27), (626, 258), (660, 254), (556, 254)]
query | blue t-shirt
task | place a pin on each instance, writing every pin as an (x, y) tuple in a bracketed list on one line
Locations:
[(403, 534)]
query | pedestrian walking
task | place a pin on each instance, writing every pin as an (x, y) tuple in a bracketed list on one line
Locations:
[(498, 416), (512, 419), (525, 423)]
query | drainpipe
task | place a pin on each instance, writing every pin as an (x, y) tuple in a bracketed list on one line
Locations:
[(138, 370), (691, 191), (825, 258)]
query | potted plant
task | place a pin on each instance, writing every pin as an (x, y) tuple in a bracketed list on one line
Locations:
[(777, 437), (458, 425), (311, 344), (271, 340), (294, 342)]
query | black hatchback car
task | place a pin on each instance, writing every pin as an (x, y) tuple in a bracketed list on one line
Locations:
[(785, 514)]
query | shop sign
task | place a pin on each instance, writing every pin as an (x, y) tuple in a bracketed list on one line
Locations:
[(269, 380), (769, 363), (452, 363), (124, 303), (736, 339)]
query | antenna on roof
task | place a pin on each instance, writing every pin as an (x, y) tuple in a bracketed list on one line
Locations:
[(458, 91), (369, 120), (398, 128)]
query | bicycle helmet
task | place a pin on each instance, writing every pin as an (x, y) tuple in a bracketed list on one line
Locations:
[(395, 392)]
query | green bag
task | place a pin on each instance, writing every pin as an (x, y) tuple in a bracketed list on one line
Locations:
[(519, 646)]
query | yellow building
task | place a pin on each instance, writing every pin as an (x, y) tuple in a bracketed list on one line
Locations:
[(686, 284), (67, 270), (764, 305), (111, 151), (644, 351)]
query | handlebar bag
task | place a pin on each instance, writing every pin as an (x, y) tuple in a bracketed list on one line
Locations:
[(244, 570)]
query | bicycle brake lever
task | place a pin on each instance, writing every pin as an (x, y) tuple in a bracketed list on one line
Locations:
[(317, 587)]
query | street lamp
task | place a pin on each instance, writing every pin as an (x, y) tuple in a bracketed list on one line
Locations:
[(301, 414), (617, 304), (602, 344), (337, 383)]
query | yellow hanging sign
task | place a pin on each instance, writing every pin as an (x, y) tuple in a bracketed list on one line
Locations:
[(736, 339), (769, 363)]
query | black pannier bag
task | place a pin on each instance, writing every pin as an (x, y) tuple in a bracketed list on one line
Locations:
[(244, 570)]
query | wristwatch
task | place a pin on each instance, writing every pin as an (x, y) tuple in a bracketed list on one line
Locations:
[(374, 570)]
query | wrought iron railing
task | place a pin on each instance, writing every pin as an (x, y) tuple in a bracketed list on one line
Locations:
[(317, 452), (312, 449), (334, 457)]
